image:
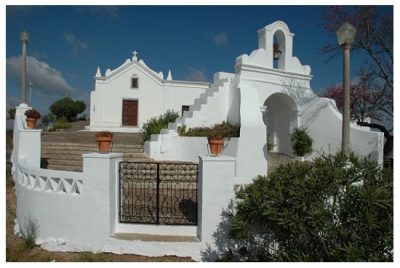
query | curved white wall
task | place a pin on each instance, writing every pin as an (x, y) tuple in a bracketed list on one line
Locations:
[(324, 124)]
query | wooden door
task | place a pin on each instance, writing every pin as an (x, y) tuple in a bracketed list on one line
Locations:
[(129, 112)]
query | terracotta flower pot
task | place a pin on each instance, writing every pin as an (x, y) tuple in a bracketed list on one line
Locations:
[(104, 144), (216, 146), (30, 122)]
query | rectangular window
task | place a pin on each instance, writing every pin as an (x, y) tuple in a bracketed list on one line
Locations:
[(135, 82), (185, 108)]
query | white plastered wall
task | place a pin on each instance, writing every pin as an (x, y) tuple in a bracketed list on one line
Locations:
[(154, 95)]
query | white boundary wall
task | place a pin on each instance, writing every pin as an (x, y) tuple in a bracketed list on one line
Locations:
[(78, 211), (324, 124)]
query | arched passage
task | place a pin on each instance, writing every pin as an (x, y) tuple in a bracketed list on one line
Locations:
[(281, 118)]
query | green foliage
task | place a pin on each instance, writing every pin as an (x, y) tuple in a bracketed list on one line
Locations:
[(61, 124), (67, 108), (225, 129), (155, 124), (47, 119), (29, 235), (334, 209), (302, 142), (11, 113), (181, 130)]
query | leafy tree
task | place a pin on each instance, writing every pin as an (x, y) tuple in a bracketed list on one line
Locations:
[(11, 113), (47, 119), (337, 208), (67, 108), (372, 95), (367, 106)]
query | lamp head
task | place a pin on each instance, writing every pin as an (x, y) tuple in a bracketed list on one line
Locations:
[(346, 34)]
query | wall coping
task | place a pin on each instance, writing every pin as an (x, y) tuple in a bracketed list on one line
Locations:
[(29, 130), (221, 158), (103, 156)]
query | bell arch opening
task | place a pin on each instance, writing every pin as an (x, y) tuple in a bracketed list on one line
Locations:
[(279, 50), (281, 118)]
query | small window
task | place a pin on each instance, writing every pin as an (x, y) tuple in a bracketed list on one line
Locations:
[(185, 108), (135, 82)]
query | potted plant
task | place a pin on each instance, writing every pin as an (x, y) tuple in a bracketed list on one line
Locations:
[(104, 139), (216, 140), (302, 142), (31, 117)]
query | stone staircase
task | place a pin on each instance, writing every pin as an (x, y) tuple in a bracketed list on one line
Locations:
[(200, 111), (63, 151)]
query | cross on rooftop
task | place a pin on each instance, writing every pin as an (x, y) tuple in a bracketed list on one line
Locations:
[(135, 54)]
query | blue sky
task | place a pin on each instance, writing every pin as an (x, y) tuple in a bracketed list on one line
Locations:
[(67, 43)]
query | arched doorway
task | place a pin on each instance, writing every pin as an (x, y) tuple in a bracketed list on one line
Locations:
[(281, 118)]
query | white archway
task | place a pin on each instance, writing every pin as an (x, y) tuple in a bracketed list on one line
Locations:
[(281, 118)]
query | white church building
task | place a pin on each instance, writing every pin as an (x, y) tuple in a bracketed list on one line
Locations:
[(83, 211), (269, 95), (128, 96)]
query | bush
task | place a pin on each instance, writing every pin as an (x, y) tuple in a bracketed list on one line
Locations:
[(155, 124), (302, 142), (225, 129), (61, 124), (30, 234), (47, 119), (335, 209)]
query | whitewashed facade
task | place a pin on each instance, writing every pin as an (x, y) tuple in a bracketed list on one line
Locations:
[(269, 98), (126, 97)]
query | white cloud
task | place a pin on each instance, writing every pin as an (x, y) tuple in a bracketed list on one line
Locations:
[(76, 43), (109, 12), (44, 77), (194, 74), (220, 39)]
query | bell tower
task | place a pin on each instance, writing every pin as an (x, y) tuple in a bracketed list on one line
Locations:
[(277, 40)]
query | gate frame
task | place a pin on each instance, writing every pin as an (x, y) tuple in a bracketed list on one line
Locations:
[(158, 180)]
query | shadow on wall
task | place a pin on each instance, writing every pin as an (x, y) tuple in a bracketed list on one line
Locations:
[(228, 249), (221, 237)]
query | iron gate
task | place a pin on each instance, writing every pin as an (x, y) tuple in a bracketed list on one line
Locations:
[(158, 193)]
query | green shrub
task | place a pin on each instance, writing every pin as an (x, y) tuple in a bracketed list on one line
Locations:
[(61, 124), (228, 130), (155, 124), (334, 209), (302, 142), (29, 234)]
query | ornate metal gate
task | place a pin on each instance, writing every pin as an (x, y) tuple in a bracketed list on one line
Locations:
[(158, 193)]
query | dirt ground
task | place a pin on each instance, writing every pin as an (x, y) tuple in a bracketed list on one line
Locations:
[(18, 250)]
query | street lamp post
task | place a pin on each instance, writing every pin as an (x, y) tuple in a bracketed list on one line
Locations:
[(346, 34), (24, 37)]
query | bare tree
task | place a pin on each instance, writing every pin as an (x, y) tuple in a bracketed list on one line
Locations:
[(372, 95)]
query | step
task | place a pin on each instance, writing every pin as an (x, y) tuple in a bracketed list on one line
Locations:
[(78, 153), (90, 145), (65, 168), (155, 238)]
